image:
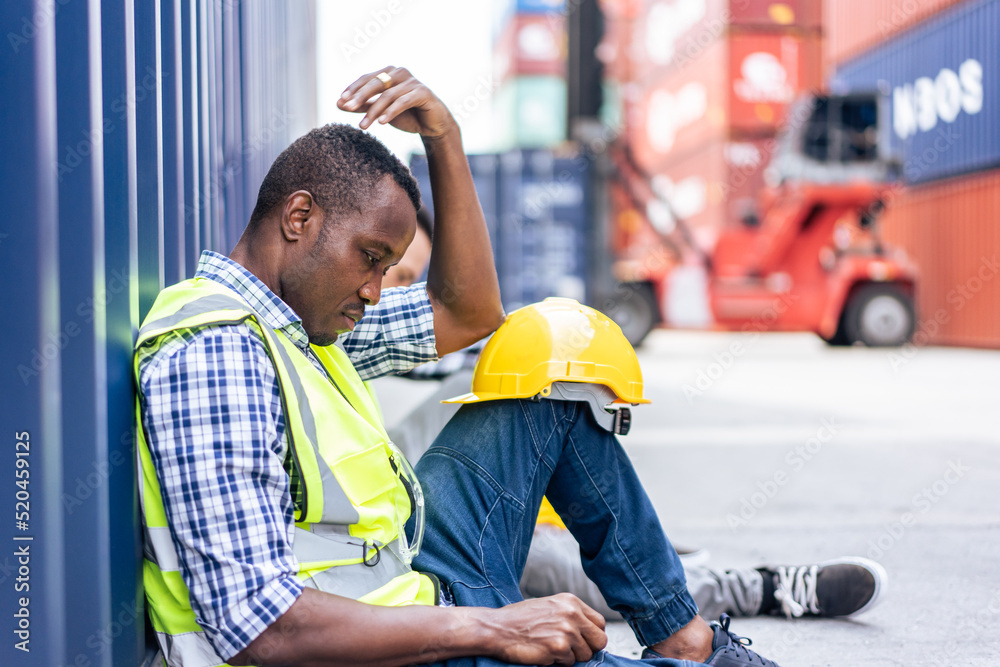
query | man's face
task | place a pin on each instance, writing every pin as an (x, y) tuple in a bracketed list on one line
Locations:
[(413, 264), (340, 273)]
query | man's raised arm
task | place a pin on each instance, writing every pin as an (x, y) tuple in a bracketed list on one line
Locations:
[(461, 281)]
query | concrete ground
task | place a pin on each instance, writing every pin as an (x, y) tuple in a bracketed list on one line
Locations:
[(779, 449)]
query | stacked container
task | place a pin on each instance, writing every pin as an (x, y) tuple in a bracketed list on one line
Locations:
[(530, 68), (935, 61), (706, 86), (543, 227), (537, 217)]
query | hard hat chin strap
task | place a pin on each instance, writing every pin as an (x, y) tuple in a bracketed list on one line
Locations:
[(598, 397)]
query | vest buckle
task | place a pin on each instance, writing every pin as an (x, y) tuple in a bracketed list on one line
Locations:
[(364, 555)]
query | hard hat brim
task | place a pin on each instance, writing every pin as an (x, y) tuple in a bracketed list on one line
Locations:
[(464, 398), (479, 398)]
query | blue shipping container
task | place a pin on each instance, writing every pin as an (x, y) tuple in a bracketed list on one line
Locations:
[(544, 225), (941, 78), (134, 134), (536, 210), (484, 175)]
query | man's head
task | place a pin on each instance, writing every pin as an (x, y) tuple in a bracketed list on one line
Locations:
[(335, 210)]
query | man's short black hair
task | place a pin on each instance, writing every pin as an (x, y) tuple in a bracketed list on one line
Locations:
[(339, 165)]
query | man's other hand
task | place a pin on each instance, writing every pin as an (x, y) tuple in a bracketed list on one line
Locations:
[(559, 630)]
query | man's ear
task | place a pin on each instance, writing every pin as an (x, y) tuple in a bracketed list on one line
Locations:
[(300, 216)]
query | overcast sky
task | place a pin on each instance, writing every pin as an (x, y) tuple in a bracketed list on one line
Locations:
[(447, 44)]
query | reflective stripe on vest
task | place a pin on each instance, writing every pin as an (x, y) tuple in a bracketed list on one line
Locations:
[(354, 503)]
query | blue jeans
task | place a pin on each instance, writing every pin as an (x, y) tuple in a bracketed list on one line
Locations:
[(484, 478)]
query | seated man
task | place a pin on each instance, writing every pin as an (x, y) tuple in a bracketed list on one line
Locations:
[(273, 502)]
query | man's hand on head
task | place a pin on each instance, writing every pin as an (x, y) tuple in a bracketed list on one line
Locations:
[(392, 95)]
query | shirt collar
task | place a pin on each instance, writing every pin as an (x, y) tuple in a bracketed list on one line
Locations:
[(276, 313)]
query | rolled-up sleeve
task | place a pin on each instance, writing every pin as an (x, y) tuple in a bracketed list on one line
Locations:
[(395, 335), (211, 412)]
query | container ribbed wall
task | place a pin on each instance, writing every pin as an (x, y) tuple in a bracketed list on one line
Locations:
[(950, 229), (854, 26), (133, 135)]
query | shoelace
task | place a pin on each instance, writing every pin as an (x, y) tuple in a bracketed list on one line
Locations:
[(796, 590), (738, 645)]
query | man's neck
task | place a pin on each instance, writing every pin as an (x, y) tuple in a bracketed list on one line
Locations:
[(251, 255)]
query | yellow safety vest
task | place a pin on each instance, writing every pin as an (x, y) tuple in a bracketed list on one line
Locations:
[(354, 502)]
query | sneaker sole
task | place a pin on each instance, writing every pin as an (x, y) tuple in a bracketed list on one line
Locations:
[(878, 573)]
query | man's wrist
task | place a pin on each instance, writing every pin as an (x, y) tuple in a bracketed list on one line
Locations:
[(451, 135), (478, 632)]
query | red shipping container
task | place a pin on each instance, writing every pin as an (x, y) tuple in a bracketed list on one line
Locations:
[(533, 44), (951, 232), (680, 112), (674, 33), (718, 185), (767, 72), (696, 187), (855, 25), (740, 86), (621, 9), (804, 14), (615, 49)]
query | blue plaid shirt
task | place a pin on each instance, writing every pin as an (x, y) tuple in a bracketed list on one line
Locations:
[(212, 413)]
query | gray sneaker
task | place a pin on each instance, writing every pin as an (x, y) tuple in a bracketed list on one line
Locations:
[(841, 587)]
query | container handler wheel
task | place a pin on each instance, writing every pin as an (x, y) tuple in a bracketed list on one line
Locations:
[(839, 337), (636, 311), (879, 315)]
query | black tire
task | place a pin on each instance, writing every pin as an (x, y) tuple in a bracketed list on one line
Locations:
[(635, 310), (880, 315), (839, 337)]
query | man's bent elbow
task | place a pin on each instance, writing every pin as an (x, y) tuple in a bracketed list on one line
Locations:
[(489, 321), (483, 325)]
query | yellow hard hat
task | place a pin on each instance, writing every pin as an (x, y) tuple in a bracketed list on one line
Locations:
[(557, 340)]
